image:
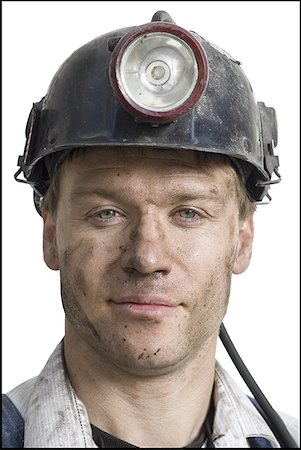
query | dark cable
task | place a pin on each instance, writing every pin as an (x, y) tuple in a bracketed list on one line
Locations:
[(272, 418)]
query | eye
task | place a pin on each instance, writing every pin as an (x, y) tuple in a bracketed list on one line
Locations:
[(188, 213), (187, 217), (106, 214), (105, 217)]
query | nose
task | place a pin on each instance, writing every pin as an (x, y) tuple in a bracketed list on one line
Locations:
[(146, 252)]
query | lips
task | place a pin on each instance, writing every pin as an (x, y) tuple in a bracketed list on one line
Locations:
[(142, 307), (143, 300)]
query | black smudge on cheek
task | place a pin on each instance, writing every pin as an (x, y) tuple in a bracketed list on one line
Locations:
[(74, 311), (73, 288), (75, 260), (72, 273), (80, 281)]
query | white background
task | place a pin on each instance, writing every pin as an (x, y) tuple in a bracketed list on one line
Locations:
[(263, 317)]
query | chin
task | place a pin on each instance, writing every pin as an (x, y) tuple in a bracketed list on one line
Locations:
[(148, 368), (149, 360)]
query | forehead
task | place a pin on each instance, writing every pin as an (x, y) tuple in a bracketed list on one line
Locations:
[(171, 161), (155, 173), (152, 174)]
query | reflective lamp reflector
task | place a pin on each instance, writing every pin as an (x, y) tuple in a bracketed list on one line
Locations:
[(158, 72)]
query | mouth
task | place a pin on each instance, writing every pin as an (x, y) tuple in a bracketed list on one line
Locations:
[(145, 307)]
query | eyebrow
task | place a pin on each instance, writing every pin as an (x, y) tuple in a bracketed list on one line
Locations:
[(211, 194), (82, 192)]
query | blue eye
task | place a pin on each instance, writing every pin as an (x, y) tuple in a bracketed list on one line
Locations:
[(188, 213), (106, 217), (106, 214)]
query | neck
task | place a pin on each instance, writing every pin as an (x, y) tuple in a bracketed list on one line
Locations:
[(145, 411)]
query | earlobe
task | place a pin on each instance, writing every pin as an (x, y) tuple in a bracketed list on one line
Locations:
[(244, 248), (49, 242)]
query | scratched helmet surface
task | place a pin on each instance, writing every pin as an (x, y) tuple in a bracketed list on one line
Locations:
[(153, 86)]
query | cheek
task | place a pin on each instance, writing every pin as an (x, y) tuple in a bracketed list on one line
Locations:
[(211, 292), (85, 265), (203, 253), (80, 274), (210, 273)]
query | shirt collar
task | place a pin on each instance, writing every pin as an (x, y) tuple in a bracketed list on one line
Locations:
[(56, 417), (236, 418)]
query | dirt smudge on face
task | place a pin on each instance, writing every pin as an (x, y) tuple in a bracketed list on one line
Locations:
[(141, 355), (73, 288)]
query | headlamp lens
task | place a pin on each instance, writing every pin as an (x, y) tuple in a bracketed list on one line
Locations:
[(158, 71)]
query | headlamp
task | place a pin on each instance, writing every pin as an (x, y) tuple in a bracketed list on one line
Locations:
[(158, 72)]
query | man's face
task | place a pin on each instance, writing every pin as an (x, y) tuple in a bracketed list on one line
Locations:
[(146, 242)]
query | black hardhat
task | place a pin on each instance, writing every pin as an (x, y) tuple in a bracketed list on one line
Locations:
[(157, 86)]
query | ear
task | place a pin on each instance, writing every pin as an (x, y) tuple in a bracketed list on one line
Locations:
[(244, 247), (49, 242)]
